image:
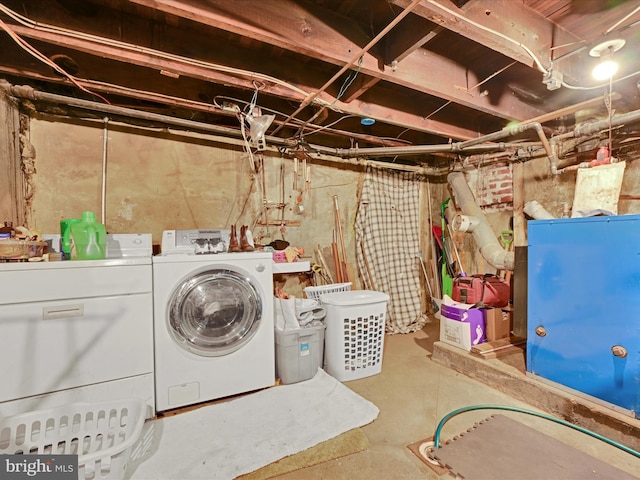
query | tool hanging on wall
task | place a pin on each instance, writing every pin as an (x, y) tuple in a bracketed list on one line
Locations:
[(447, 280), (432, 245), (343, 260), (336, 259), (434, 304), (506, 239), (452, 244), (322, 261)]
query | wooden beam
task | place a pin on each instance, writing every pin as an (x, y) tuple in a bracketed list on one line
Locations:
[(505, 26), (289, 25), (182, 66), (415, 33), (12, 179)]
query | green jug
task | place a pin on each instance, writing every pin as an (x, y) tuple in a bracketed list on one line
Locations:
[(65, 236), (88, 238)]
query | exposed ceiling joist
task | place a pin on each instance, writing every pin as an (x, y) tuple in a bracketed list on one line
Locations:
[(289, 26), (436, 70)]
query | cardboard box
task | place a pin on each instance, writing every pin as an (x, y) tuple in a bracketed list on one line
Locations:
[(497, 323), (461, 325)]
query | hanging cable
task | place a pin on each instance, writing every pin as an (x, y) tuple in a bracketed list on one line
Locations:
[(148, 51), (312, 96), (27, 47)]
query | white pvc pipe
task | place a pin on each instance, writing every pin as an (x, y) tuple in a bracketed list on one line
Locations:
[(104, 171), (486, 240), (537, 211)]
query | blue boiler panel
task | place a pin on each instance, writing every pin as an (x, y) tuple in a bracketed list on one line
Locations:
[(583, 314)]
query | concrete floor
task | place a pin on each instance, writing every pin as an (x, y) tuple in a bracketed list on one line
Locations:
[(413, 393)]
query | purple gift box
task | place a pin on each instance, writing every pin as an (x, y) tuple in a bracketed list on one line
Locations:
[(461, 324)]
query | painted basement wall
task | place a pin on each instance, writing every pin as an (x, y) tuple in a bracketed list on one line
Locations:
[(159, 179)]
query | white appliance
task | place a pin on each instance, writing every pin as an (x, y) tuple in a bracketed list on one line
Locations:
[(75, 331), (213, 326)]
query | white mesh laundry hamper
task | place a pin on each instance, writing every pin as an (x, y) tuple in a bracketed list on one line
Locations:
[(315, 293), (354, 336), (102, 434)]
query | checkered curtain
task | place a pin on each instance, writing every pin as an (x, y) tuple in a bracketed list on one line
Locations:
[(388, 245)]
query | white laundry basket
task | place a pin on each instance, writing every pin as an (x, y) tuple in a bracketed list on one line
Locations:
[(101, 434), (315, 292), (354, 337)]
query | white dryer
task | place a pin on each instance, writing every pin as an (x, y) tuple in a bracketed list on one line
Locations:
[(213, 326)]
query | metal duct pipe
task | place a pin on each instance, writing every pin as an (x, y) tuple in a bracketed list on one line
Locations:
[(31, 94), (410, 150), (473, 144), (486, 240), (589, 129), (509, 132), (25, 92)]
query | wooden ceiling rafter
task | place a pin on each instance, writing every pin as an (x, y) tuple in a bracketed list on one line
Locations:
[(504, 26), (327, 43)]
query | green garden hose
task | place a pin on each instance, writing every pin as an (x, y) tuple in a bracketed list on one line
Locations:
[(436, 437)]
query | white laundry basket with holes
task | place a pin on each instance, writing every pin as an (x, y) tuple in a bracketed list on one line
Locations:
[(315, 292), (354, 336), (101, 434)]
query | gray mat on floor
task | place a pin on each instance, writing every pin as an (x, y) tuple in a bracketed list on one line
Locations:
[(500, 447)]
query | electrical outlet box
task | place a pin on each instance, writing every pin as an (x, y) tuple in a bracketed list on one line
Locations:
[(552, 79)]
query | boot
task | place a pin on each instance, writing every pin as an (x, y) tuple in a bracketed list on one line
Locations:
[(234, 246), (244, 242)]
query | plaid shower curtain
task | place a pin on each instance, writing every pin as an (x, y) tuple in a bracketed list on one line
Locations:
[(388, 245)]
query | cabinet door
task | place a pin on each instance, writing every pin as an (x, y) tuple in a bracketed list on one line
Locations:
[(57, 345), (584, 305)]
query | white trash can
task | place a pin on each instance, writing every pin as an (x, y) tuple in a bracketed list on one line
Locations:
[(354, 338)]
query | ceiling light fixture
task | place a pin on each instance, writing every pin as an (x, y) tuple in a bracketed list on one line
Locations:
[(607, 67)]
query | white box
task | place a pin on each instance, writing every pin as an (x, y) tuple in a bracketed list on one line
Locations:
[(461, 325)]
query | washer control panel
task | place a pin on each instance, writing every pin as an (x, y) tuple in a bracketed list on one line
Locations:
[(194, 242)]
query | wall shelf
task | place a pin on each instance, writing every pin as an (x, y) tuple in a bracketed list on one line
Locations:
[(291, 267)]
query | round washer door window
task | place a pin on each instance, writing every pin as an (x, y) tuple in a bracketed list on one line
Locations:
[(215, 312)]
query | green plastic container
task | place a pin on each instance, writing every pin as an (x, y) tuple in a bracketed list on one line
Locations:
[(88, 238), (65, 236)]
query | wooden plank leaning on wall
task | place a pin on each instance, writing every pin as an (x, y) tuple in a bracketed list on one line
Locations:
[(12, 181), (519, 277)]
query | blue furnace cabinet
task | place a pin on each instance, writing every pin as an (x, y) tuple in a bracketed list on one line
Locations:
[(583, 306)]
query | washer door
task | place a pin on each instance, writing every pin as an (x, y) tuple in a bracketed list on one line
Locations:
[(215, 312)]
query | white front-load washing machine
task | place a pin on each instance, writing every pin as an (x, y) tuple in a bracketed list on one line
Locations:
[(213, 326)]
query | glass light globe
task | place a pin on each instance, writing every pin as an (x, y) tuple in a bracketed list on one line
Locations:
[(604, 70)]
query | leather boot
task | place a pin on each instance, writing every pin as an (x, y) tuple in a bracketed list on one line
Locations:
[(234, 246), (244, 242)]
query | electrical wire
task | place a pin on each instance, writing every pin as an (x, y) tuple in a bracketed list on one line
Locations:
[(324, 127), (348, 81), (622, 20), (436, 437), (148, 51), (31, 50), (471, 88), (493, 32), (533, 56)]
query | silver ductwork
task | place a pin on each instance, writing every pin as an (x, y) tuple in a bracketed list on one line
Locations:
[(478, 225)]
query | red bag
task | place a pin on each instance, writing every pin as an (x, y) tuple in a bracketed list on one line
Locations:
[(482, 290)]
